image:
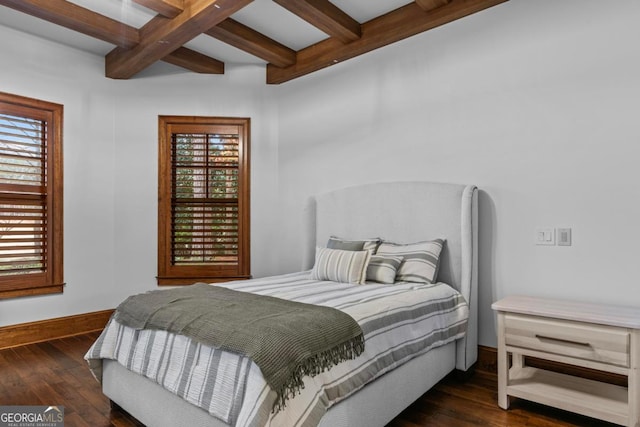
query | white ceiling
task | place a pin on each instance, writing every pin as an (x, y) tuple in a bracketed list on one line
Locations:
[(264, 16)]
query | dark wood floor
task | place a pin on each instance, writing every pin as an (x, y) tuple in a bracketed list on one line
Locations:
[(54, 373)]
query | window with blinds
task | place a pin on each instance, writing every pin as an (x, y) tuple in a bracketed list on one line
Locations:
[(30, 197), (204, 200)]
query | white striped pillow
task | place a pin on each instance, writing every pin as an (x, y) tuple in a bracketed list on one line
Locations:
[(341, 266), (420, 259), (383, 268)]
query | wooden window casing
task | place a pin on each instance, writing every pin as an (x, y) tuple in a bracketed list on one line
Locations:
[(31, 223), (203, 200)]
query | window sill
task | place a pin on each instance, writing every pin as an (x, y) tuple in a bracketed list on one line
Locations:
[(28, 292)]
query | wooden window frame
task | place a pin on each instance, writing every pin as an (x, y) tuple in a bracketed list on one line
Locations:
[(51, 280), (168, 273)]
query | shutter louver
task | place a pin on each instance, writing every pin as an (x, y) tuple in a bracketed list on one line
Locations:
[(204, 202), (23, 195)]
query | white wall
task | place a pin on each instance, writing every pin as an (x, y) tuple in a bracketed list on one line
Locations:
[(536, 102), (110, 164), (39, 69), (240, 93)]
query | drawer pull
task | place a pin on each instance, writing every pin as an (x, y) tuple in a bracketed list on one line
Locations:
[(582, 344)]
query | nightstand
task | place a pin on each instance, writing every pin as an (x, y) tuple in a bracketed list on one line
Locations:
[(595, 336)]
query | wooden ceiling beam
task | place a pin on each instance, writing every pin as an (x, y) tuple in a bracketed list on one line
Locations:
[(183, 57), (394, 26), (161, 36), (235, 34), (194, 61), (326, 16), (247, 39), (181, 20), (166, 8), (428, 5), (85, 21), (77, 18)]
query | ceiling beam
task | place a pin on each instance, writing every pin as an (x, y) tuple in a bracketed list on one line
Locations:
[(194, 61), (77, 18), (161, 36), (235, 34), (396, 25), (85, 21), (326, 16), (244, 38), (166, 8), (428, 5)]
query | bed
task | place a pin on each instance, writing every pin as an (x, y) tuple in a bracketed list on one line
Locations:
[(398, 212)]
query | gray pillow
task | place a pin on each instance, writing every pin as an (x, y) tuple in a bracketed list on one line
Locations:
[(420, 262), (353, 245)]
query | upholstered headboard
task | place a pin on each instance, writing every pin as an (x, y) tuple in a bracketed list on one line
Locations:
[(407, 212)]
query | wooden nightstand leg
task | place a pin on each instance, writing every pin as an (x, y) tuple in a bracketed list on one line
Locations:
[(517, 360), (503, 368), (634, 380)]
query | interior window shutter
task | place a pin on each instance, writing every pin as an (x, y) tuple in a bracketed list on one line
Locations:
[(203, 209), (23, 192), (204, 215), (31, 238)]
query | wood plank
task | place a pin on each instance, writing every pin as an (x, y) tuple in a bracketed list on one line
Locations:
[(577, 371), (25, 357), (394, 26), (587, 397), (86, 21), (598, 343), (77, 18), (487, 362), (194, 61), (449, 404), (503, 365), (25, 290), (161, 36), (602, 314), (634, 380), (43, 330), (166, 8), (578, 364), (326, 16), (428, 5), (247, 39)]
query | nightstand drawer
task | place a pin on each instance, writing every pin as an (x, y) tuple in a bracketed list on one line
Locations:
[(574, 339)]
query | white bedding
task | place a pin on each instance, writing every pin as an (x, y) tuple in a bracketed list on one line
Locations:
[(399, 322)]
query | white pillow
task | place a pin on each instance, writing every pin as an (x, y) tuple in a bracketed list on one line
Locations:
[(421, 259), (383, 268), (341, 266)]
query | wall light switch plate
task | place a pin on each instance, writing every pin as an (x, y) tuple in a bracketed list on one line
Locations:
[(545, 236), (564, 237)]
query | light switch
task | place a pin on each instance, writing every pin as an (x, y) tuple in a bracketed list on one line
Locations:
[(545, 236)]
